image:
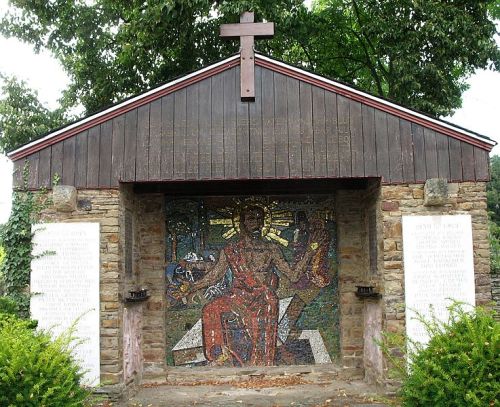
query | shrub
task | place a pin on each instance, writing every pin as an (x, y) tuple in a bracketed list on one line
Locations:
[(8, 306), (35, 370), (494, 238), (460, 366)]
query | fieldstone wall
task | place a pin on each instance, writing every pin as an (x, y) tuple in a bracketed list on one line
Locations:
[(151, 243), (360, 321), (133, 311), (353, 265), (104, 207), (399, 200), (372, 322)]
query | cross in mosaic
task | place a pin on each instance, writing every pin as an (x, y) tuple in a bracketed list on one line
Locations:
[(247, 30)]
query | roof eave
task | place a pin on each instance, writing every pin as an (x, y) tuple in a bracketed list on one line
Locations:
[(122, 107), (377, 102), (266, 62)]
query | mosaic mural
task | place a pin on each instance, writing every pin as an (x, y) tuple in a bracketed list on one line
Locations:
[(251, 281)]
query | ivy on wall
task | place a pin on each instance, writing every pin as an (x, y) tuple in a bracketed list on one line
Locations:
[(16, 238)]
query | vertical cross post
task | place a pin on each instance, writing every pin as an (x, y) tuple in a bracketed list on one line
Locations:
[(247, 30)]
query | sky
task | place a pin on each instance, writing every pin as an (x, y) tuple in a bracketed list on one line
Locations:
[(480, 110)]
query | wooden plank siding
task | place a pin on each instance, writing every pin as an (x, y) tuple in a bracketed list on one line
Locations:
[(117, 149), (268, 137), (344, 135), (68, 177), (44, 180), (332, 135), (281, 126), (255, 117), (81, 153), (306, 130), (293, 130), (395, 157), (56, 163), (105, 154), (319, 132)]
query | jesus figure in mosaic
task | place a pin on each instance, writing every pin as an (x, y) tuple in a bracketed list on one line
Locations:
[(240, 327)]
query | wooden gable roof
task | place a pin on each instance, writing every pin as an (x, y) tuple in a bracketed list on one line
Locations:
[(300, 126)]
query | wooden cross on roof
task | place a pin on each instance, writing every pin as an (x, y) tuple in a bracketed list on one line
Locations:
[(247, 30)]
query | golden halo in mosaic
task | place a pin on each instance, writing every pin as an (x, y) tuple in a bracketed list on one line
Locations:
[(275, 220)]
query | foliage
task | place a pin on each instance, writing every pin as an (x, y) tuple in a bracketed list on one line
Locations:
[(493, 197), (8, 306), (2, 256), (460, 366), (417, 53), (493, 190), (22, 116), (36, 371), (16, 237), (494, 10), (494, 229)]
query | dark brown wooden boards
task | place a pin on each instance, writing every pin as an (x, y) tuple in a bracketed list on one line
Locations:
[(293, 129)]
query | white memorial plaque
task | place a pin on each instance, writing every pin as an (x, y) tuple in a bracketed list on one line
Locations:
[(66, 286), (438, 267)]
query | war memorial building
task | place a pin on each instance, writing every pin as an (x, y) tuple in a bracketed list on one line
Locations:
[(252, 213)]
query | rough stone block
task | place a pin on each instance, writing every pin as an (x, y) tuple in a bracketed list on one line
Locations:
[(435, 192), (84, 205), (390, 206), (64, 198)]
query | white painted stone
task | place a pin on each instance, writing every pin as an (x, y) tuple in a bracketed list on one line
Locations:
[(438, 267), (66, 287), (284, 322), (318, 347), (284, 304), (191, 339)]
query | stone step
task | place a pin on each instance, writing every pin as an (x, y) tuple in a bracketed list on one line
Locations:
[(258, 393), (313, 373)]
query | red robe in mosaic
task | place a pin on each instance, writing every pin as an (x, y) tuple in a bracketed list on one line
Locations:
[(256, 306)]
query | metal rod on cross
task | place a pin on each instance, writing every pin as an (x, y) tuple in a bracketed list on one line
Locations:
[(247, 31)]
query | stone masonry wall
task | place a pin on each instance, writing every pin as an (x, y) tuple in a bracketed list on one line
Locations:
[(399, 200), (103, 206), (151, 260), (133, 311), (372, 332), (353, 263)]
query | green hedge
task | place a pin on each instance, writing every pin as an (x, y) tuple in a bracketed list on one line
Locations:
[(460, 365), (35, 370)]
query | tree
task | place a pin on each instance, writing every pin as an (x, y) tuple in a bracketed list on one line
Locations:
[(493, 196), (493, 190), (22, 116), (417, 53)]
